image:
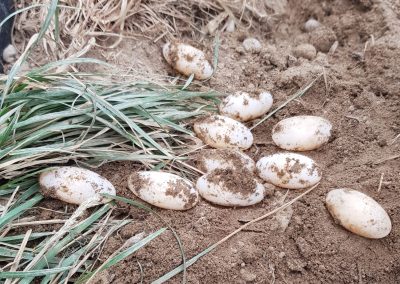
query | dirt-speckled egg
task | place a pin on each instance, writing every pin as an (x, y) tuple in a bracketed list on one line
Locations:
[(209, 160), (230, 188), (223, 132), (163, 190), (358, 213), (289, 170), (243, 106), (301, 133), (187, 60), (74, 185)]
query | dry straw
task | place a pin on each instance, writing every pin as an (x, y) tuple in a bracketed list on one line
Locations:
[(87, 23)]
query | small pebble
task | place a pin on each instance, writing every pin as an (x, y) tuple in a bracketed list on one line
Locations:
[(311, 25), (282, 254), (252, 45), (269, 189), (306, 51), (247, 275), (322, 38), (382, 143)]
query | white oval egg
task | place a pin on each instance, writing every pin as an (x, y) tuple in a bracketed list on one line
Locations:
[(242, 106), (209, 160), (230, 188), (301, 133), (74, 185), (223, 132), (163, 190), (311, 25), (358, 213), (187, 60), (289, 170)]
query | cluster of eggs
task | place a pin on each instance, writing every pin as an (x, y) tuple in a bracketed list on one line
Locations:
[(231, 178)]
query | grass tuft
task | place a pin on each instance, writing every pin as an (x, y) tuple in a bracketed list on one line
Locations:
[(57, 118)]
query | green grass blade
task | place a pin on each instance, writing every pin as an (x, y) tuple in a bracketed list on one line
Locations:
[(122, 255), (17, 238), (180, 268), (19, 210), (142, 206), (11, 253), (132, 249), (32, 273)]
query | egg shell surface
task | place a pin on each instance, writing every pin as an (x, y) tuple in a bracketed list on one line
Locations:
[(164, 190), (301, 133), (242, 106), (358, 213), (230, 188), (289, 170), (209, 160), (187, 60), (74, 185), (223, 132)]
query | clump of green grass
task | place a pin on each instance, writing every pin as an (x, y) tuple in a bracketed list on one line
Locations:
[(56, 118)]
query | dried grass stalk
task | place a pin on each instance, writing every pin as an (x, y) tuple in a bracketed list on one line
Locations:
[(109, 21)]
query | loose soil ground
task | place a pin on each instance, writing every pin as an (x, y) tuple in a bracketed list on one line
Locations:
[(360, 95)]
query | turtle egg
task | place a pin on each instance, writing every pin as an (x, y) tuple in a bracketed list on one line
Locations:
[(289, 170), (163, 190), (301, 133), (187, 60), (74, 185), (244, 107), (209, 160), (230, 188), (358, 213), (223, 132)]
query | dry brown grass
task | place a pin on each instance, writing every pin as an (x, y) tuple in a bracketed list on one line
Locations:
[(88, 23)]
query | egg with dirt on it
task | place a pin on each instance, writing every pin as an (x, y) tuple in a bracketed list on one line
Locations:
[(243, 106), (187, 60), (164, 190), (75, 185), (209, 160), (227, 187), (301, 133), (358, 213), (289, 170), (220, 131)]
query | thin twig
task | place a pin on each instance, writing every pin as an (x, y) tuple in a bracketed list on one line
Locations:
[(380, 182), (44, 222), (387, 159), (19, 254), (10, 200), (394, 139)]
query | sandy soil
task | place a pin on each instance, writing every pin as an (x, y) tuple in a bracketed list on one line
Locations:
[(360, 96)]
